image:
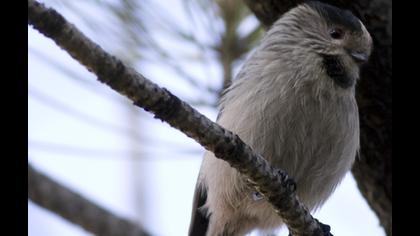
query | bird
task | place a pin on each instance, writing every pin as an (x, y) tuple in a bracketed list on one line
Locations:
[(293, 101)]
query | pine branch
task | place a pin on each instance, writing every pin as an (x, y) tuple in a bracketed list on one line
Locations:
[(274, 184), (75, 208)]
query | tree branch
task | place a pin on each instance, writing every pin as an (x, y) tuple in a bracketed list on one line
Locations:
[(49, 194), (373, 169), (275, 185)]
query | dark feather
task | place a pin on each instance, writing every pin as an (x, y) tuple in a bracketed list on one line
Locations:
[(336, 15), (336, 71), (199, 220)]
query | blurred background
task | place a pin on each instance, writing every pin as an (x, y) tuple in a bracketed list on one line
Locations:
[(94, 141)]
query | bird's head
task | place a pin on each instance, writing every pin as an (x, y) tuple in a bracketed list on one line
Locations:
[(335, 35)]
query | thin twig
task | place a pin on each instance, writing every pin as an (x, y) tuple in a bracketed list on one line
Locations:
[(108, 153)]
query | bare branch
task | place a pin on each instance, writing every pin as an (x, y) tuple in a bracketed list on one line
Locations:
[(47, 193), (274, 184)]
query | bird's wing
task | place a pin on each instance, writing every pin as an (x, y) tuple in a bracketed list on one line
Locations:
[(199, 219)]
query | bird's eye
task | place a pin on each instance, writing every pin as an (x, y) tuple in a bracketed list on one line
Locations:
[(336, 33)]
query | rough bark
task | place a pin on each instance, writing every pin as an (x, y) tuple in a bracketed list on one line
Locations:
[(373, 168), (275, 185), (51, 195)]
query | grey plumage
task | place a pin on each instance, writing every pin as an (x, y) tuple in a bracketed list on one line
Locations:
[(294, 102)]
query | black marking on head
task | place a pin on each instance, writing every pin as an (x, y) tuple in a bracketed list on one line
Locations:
[(336, 16), (336, 71)]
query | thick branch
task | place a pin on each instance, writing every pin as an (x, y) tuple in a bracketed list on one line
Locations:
[(373, 170), (277, 187), (49, 194)]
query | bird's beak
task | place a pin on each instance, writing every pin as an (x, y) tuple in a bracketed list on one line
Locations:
[(359, 57)]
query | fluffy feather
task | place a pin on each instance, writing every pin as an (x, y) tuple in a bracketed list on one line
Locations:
[(288, 104)]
